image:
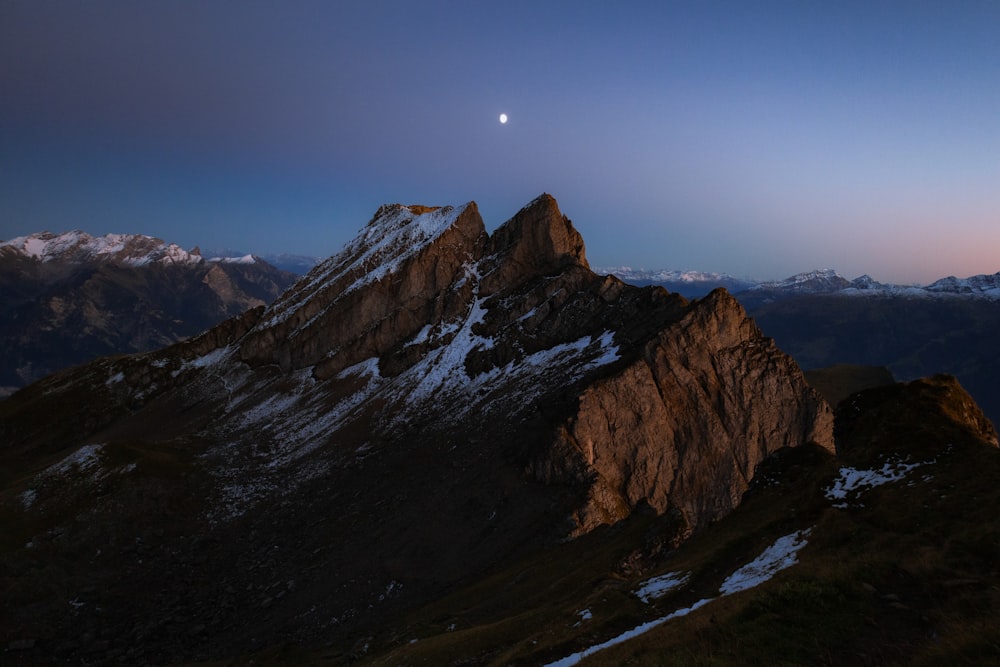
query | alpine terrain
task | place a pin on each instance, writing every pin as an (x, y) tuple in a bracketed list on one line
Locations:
[(72, 297), (443, 446)]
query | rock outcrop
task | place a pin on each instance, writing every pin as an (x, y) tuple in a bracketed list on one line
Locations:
[(686, 424), (428, 402)]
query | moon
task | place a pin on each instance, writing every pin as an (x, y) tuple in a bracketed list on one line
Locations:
[(503, 119)]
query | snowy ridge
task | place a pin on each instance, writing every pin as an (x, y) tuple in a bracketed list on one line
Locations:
[(394, 234), (692, 284), (822, 280), (981, 285)]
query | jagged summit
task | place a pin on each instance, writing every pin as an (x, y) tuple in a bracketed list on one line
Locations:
[(538, 240), (437, 258)]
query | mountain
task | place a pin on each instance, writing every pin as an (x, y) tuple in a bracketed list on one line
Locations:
[(983, 285), (690, 284), (429, 407), (72, 297)]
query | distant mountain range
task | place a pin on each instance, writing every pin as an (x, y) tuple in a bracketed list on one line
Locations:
[(694, 284)]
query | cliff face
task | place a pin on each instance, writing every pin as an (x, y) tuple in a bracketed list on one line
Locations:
[(426, 403), (392, 280), (685, 424)]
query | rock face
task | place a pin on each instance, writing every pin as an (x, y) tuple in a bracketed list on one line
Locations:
[(428, 402), (686, 424)]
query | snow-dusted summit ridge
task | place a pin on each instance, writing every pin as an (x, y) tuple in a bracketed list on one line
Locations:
[(395, 233)]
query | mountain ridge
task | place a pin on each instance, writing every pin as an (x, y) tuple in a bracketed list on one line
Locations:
[(78, 246)]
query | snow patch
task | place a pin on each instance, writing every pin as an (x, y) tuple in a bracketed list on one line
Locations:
[(86, 459), (628, 634), (780, 555), (853, 480), (657, 587), (210, 359), (85, 464), (245, 259), (28, 498), (367, 368)]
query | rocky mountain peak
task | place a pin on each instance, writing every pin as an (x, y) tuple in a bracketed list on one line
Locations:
[(410, 267), (421, 406), (382, 288), (538, 240)]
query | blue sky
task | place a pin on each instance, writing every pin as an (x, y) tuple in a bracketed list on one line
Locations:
[(756, 138)]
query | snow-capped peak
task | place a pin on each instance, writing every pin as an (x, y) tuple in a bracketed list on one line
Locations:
[(820, 280), (244, 259), (981, 285)]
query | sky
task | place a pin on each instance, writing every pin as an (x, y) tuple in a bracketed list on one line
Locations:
[(760, 139)]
